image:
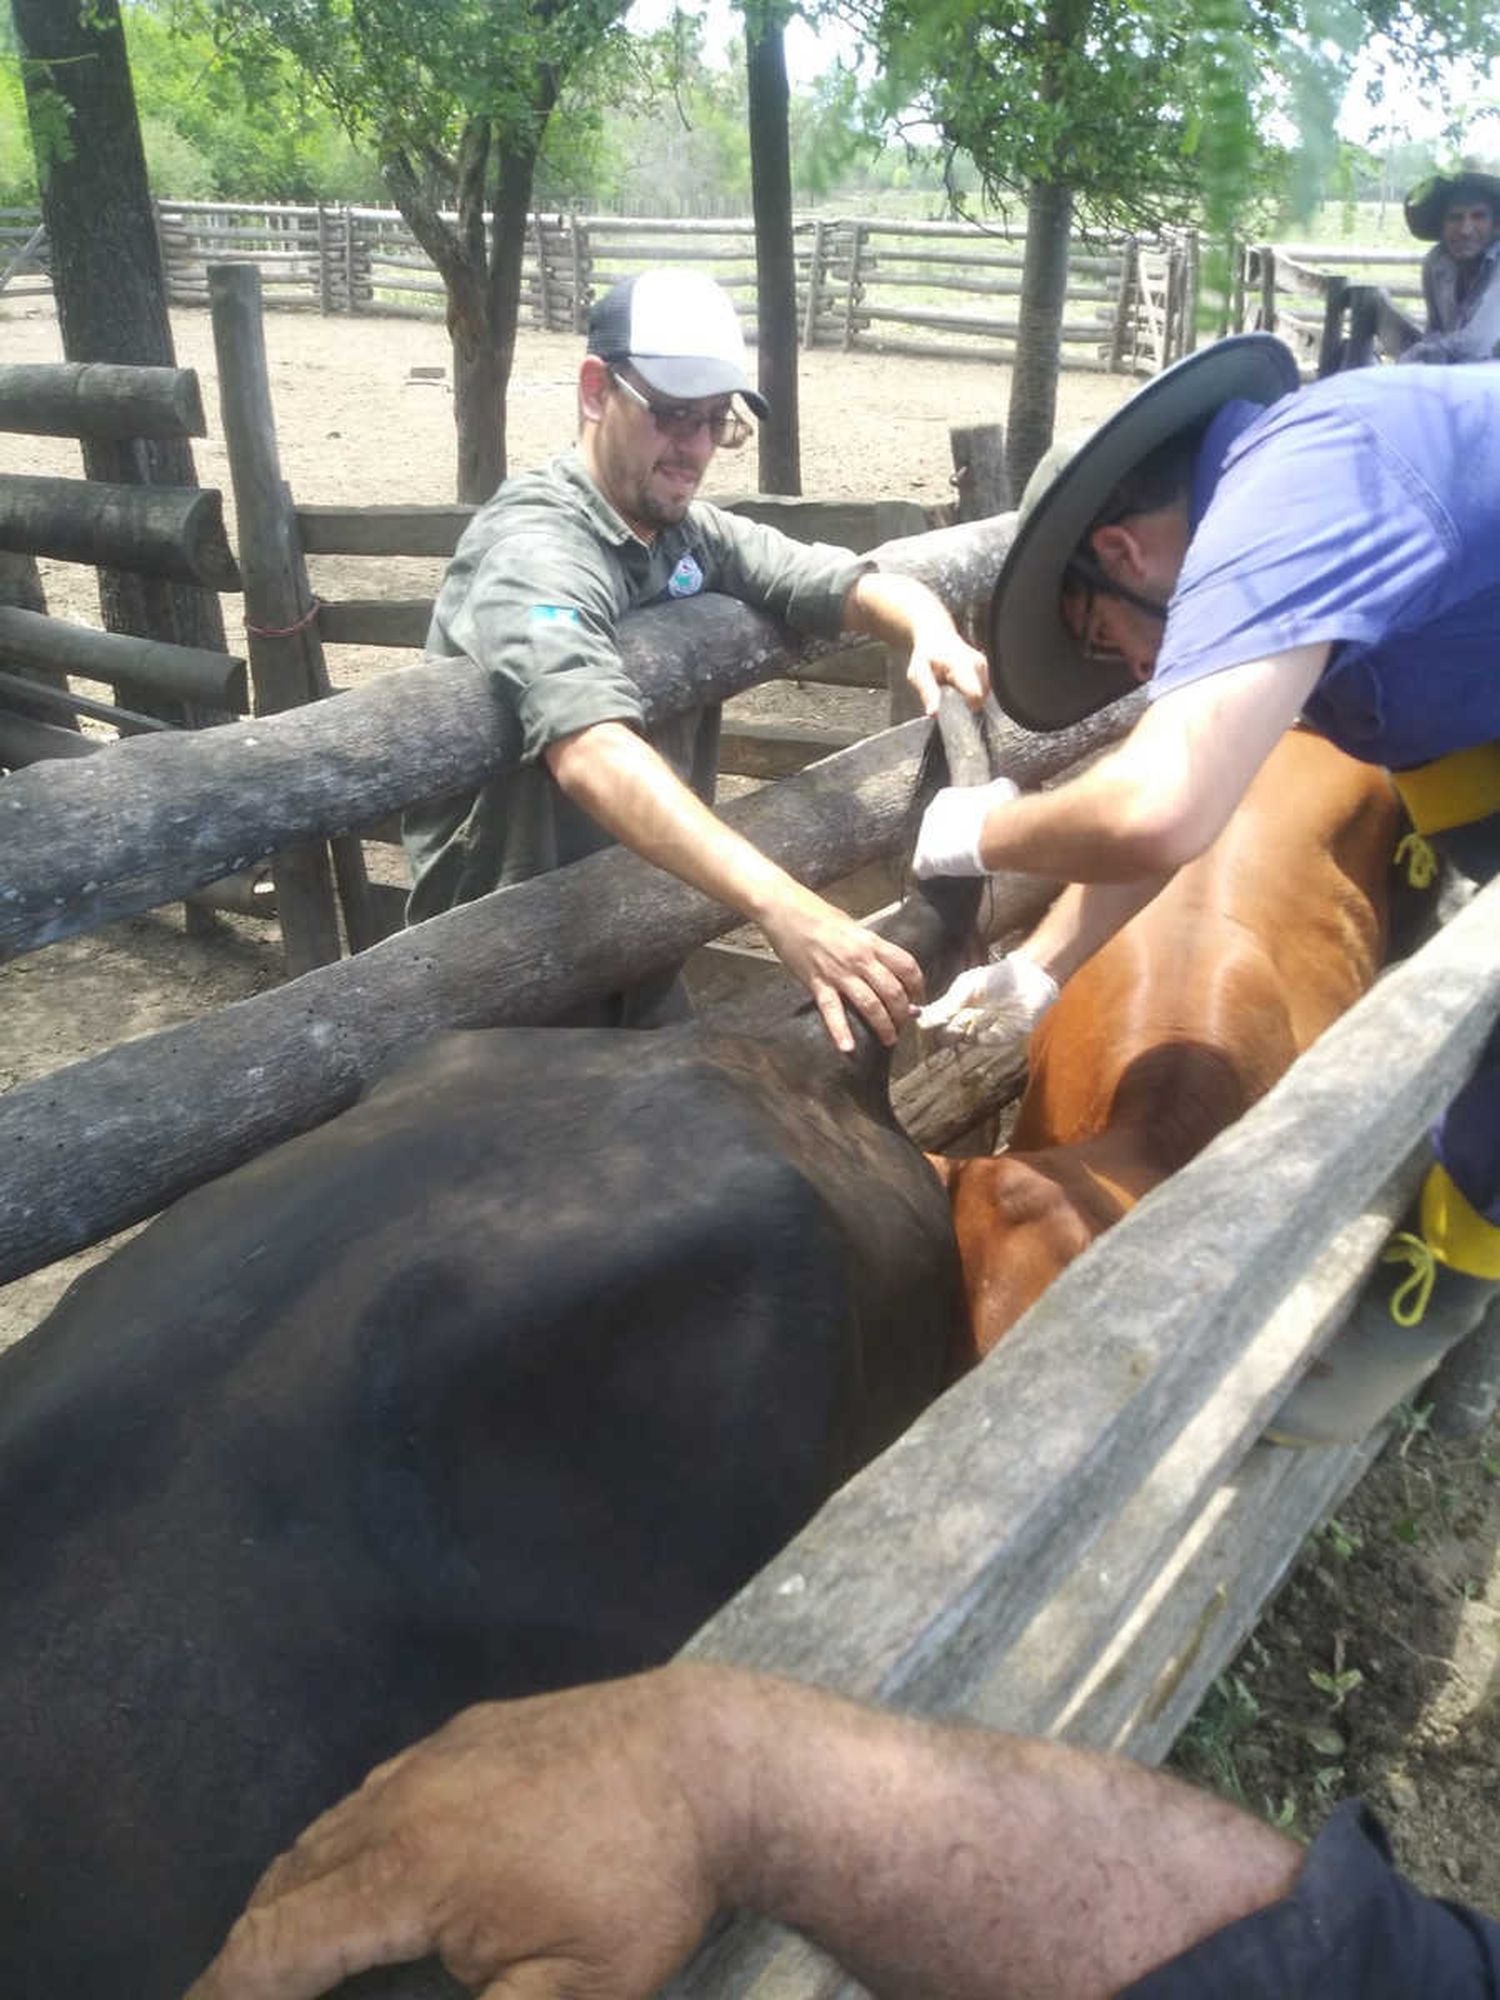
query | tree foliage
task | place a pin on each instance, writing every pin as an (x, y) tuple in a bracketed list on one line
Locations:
[(1153, 112)]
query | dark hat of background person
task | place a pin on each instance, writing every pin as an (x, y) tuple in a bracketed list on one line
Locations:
[(1430, 200), (1038, 667), (680, 333)]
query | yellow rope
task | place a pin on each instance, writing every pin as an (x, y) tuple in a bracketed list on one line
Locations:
[(1409, 1300), (1420, 858)]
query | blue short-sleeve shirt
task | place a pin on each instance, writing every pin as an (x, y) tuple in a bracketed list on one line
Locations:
[(1363, 510)]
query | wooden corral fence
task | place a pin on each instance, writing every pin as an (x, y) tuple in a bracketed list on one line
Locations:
[(928, 288), (1331, 319), (167, 534), (171, 534), (1074, 1539)]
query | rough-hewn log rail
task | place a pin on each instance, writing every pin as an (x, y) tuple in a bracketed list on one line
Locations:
[(99, 399), (97, 1146), (184, 809), (174, 532), (151, 666), (951, 1575)]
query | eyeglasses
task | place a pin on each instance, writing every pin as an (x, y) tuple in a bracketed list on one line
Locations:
[(681, 422), (1084, 573)]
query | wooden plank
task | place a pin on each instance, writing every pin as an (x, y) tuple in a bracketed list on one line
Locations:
[(775, 749), (850, 524), (376, 621), (18, 692), (382, 531), (286, 659), (175, 673), (184, 809), (26, 741), (101, 401), (175, 532)]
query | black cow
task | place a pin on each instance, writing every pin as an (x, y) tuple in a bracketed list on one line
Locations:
[(504, 1379)]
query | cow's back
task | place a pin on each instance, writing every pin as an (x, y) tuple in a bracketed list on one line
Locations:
[(502, 1380), (1182, 1021)]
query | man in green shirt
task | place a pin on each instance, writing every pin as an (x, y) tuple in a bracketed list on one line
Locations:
[(535, 594)]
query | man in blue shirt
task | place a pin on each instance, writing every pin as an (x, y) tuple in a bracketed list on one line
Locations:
[(1256, 554)]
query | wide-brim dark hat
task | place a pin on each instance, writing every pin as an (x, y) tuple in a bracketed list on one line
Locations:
[(1430, 200), (1037, 666)]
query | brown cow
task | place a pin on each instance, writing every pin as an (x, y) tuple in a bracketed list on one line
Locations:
[(1180, 1023)]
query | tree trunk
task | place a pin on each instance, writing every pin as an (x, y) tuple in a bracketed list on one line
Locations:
[(780, 469), (482, 275), (1044, 281), (106, 269)]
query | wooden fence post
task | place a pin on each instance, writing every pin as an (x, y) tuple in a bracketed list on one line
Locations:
[(1267, 258), (979, 470), (856, 241), (1191, 289), (1124, 328), (1238, 253), (543, 289), (814, 287), (325, 273), (286, 655), (578, 246), (1331, 346)]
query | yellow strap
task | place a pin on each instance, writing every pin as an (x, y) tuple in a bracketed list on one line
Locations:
[(1452, 790), (1409, 1300), (1420, 858), (1458, 1234)]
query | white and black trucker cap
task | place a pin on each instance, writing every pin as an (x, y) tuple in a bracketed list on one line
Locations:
[(680, 333)]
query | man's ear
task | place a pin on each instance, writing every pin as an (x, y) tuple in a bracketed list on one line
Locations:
[(593, 388), (1120, 552)]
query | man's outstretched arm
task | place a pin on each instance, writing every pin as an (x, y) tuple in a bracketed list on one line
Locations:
[(578, 1845), (630, 790)]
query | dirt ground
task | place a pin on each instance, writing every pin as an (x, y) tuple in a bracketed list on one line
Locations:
[(1377, 1669)]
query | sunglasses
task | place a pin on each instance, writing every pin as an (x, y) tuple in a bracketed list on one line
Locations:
[(1084, 573), (681, 422)]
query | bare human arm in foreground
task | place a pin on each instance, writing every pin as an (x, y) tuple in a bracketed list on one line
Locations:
[(578, 1845)]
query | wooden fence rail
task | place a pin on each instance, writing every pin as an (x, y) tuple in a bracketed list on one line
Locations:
[(863, 282), (1330, 318)]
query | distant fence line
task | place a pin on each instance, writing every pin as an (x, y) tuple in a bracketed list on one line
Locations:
[(949, 289)]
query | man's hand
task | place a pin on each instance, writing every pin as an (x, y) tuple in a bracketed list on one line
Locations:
[(944, 658), (839, 960), (948, 838), (905, 613), (545, 1844), (995, 1005)]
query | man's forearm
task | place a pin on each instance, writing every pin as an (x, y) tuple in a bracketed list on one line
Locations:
[(1085, 917), (934, 1860), (628, 788)]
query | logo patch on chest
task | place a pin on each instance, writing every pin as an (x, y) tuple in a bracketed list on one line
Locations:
[(686, 580)]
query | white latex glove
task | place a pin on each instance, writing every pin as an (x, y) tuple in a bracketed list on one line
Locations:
[(948, 838), (995, 1005)]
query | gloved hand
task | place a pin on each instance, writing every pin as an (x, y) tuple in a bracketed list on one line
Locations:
[(948, 838), (993, 1005)]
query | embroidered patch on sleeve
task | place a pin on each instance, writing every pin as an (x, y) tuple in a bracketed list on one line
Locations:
[(553, 614)]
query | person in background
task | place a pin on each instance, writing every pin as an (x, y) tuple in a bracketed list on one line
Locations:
[(1459, 215), (535, 593), (577, 1847), (1255, 551)]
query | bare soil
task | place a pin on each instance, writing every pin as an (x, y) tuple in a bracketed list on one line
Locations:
[(1377, 1669)]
